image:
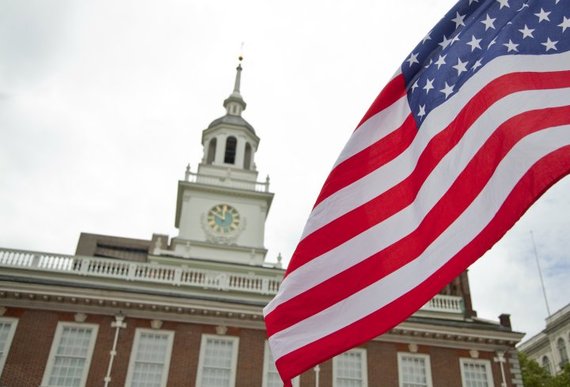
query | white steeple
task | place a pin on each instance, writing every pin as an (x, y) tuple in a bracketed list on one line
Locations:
[(221, 209), (235, 104), (230, 141)]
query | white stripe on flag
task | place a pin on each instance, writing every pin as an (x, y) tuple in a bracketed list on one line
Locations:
[(515, 164), (392, 173), (404, 222)]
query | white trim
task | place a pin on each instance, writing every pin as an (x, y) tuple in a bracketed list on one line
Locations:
[(56, 342), (235, 344), (269, 365), (427, 364), (488, 370), (166, 361), (363, 365), (4, 351)]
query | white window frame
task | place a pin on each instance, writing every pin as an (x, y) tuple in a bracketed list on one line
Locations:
[(486, 363), (7, 345), (423, 356), (546, 365), (55, 344), (235, 346), (269, 365), (364, 366), (134, 350)]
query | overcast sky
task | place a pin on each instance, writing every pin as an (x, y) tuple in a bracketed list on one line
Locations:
[(102, 105)]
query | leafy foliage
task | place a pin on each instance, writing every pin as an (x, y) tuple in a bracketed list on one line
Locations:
[(536, 376)]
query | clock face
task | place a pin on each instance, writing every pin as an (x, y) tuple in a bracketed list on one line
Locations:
[(223, 219)]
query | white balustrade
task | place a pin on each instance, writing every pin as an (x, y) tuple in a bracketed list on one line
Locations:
[(170, 275), (227, 181), (443, 303), (136, 271)]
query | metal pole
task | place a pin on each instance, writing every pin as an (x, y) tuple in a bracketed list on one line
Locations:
[(540, 273)]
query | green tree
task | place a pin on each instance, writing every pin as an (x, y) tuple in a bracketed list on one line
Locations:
[(535, 376)]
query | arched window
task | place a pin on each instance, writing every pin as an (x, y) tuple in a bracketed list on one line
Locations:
[(546, 364), (230, 155), (247, 157), (211, 151), (561, 345)]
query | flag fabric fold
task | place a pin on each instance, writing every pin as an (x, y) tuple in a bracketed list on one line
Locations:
[(471, 131)]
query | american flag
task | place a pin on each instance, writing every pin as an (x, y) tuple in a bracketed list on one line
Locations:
[(472, 129)]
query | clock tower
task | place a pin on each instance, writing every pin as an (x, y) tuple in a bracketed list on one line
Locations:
[(221, 208)]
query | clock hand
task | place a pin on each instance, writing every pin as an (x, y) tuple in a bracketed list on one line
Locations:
[(218, 216)]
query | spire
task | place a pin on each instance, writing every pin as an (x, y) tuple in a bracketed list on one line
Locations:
[(238, 76), (235, 104)]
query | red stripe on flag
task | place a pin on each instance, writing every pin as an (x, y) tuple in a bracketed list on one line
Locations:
[(543, 174), (368, 160), (358, 166), (461, 194), (401, 195), (393, 91)]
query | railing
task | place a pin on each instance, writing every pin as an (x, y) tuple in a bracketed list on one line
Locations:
[(443, 303), (227, 181), (169, 275), (556, 315), (135, 271)]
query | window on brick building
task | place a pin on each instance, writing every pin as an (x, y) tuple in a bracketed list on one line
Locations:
[(70, 355), (476, 373), (349, 369), (414, 370), (7, 330), (218, 361), (150, 358), (271, 377)]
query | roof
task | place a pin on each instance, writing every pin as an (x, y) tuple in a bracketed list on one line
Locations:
[(129, 249), (232, 120)]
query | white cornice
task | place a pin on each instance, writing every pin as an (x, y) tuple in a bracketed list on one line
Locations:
[(152, 307)]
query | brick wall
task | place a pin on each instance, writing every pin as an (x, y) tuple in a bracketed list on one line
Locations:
[(32, 342)]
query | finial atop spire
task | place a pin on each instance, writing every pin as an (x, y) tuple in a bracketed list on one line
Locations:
[(238, 76), (235, 104)]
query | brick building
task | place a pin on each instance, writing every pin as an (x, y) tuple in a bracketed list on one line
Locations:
[(187, 310)]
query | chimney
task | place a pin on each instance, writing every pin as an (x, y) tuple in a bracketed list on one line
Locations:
[(505, 320)]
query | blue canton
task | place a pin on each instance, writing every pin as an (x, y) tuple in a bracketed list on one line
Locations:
[(473, 33)]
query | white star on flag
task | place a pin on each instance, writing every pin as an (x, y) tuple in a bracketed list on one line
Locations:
[(440, 61), (474, 43), (565, 24), (527, 32), (489, 22), (460, 66), (447, 90), (542, 15), (429, 85), (549, 44), (444, 42), (511, 46), (458, 20), (412, 59), (476, 65), (422, 111), (504, 3)]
